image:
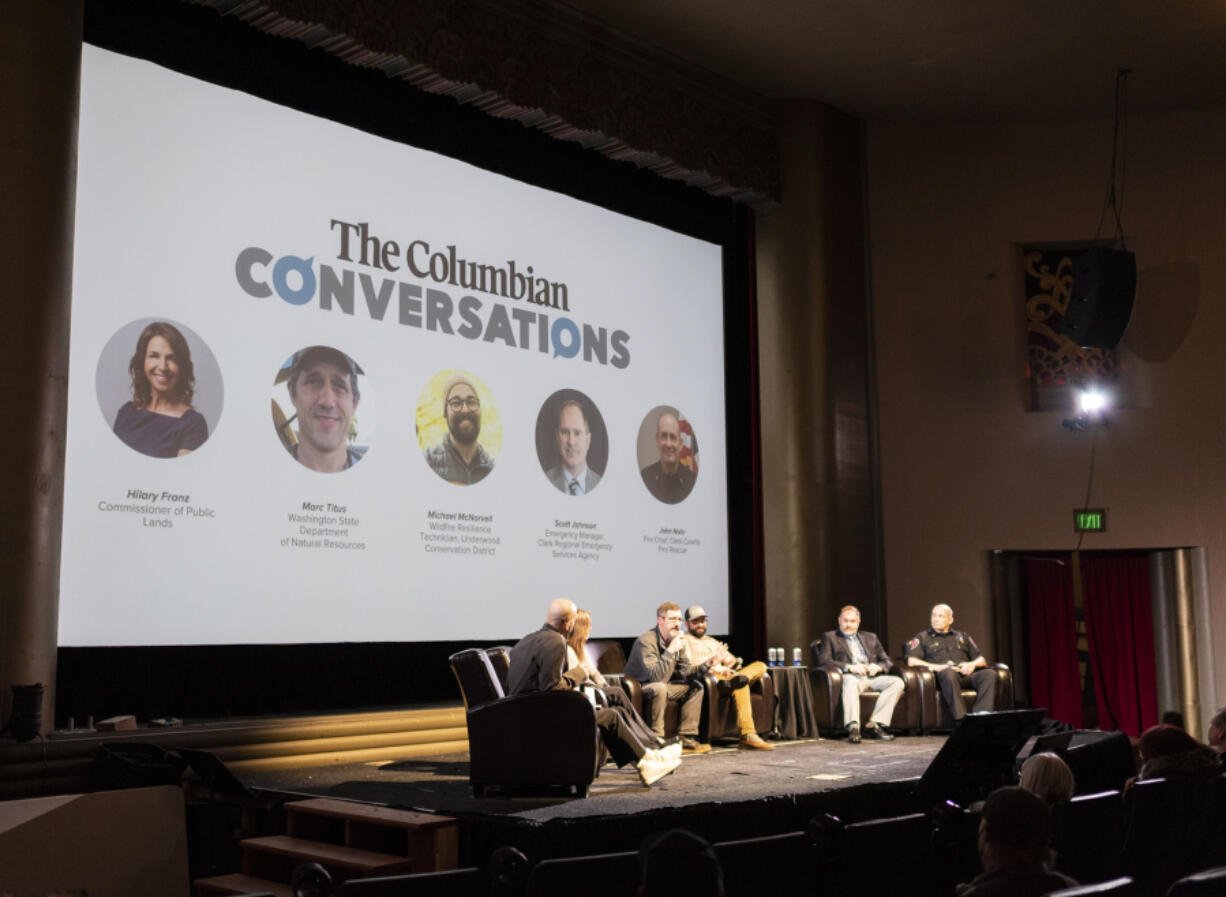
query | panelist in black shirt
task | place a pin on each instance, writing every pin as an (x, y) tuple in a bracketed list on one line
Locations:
[(956, 660)]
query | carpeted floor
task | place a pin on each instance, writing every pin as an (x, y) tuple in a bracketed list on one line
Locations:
[(726, 775)]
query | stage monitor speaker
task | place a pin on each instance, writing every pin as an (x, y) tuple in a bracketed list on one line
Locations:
[(980, 755), (1104, 287)]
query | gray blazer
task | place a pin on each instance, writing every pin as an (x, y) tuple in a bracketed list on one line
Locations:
[(590, 479)]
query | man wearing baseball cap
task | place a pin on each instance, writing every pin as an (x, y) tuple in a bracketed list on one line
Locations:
[(734, 677), (323, 387)]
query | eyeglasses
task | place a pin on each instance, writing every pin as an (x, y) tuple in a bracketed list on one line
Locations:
[(676, 619), (472, 403)]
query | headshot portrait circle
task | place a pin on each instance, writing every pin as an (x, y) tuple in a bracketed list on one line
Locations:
[(159, 388), (323, 409), (459, 427), (667, 453), (572, 442)]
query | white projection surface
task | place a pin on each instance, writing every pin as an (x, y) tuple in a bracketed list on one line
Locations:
[(256, 232)]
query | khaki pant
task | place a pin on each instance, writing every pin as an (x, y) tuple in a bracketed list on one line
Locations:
[(740, 696)]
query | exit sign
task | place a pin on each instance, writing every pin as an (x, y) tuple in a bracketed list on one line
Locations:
[(1089, 520)]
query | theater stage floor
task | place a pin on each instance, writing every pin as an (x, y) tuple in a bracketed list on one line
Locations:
[(726, 794), (439, 783)]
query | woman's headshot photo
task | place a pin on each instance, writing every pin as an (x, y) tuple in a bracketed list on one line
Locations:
[(158, 411), (572, 443)]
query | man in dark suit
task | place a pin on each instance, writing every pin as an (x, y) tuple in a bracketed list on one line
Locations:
[(571, 474), (864, 665)]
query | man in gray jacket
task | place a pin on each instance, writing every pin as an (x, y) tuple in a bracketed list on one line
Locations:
[(660, 663)]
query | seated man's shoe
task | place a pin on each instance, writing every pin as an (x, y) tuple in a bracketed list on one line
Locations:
[(853, 734), (654, 766), (872, 730), (733, 683), (754, 742), (691, 745)]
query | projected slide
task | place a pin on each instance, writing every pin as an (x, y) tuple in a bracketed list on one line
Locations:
[(326, 387)]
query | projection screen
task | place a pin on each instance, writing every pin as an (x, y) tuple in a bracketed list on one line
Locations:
[(327, 387)]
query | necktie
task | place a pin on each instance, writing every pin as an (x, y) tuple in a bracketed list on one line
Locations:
[(858, 654), (575, 488)]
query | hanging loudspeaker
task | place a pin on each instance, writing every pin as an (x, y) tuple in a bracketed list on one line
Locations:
[(1104, 286)]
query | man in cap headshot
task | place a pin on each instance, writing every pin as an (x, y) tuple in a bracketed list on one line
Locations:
[(571, 474), (323, 387), (459, 458), (734, 676)]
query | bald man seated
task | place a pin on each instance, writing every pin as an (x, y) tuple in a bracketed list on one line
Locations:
[(956, 660), (538, 663)]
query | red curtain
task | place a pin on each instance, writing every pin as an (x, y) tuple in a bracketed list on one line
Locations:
[(1120, 631), (1055, 680)]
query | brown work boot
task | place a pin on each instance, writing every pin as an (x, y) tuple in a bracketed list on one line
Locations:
[(691, 745), (753, 742)]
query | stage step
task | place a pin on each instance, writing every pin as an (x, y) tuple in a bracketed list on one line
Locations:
[(348, 838), (275, 857), (430, 841), (237, 883)]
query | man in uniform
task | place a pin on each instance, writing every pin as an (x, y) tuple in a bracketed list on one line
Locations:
[(955, 659), (865, 666), (668, 479), (538, 663), (459, 458), (660, 663), (712, 655), (571, 474)]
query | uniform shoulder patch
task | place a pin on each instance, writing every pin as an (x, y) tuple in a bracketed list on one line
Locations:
[(914, 643)]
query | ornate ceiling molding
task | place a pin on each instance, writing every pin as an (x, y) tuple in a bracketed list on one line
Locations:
[(551, 68)]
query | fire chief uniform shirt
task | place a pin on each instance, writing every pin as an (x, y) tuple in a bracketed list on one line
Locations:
[(943, 647)]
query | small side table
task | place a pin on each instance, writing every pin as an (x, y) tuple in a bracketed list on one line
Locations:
[(793, 703)]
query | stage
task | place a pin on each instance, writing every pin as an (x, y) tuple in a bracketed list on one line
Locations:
[(725, 795)]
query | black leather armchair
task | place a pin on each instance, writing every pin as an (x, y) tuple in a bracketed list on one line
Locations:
[(935, 713), (723, 722), (827, 687), (524, 742)]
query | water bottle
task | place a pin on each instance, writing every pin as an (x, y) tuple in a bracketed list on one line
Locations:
[(796, 657)]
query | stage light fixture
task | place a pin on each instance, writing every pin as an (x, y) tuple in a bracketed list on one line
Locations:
[(1092, 408), (1091, 401)]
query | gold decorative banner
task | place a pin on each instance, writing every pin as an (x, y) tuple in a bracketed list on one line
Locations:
[(1054, 363)]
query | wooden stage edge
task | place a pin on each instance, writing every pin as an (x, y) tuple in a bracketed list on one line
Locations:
[(60, 762)]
